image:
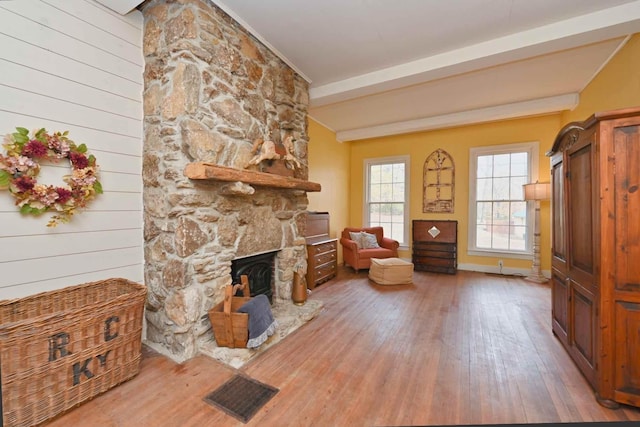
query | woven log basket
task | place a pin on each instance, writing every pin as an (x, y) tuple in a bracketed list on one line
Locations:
[(63, 347)]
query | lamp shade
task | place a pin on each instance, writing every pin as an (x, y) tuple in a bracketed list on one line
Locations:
[(537, 191)]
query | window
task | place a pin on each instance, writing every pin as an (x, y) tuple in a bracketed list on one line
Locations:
[(386, 196), (499, 218)]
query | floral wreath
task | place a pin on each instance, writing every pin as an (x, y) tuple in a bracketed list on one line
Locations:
[(19, 170)]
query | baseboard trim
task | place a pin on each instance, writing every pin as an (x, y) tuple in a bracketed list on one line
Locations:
[(507, 271)]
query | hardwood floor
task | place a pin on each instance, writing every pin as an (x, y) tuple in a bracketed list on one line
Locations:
[(469, 348)]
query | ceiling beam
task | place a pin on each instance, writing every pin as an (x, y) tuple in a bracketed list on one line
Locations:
[(534, 107), (593, 27)]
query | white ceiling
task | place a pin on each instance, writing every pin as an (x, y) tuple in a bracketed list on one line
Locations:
[(382, 67)]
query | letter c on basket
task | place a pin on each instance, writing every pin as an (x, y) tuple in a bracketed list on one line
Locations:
[(108, 336)]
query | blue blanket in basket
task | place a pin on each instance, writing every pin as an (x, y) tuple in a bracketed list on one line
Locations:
[(261, 322)]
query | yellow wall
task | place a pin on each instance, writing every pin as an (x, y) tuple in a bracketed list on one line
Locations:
[(339, 166), (457, 142), (616, 86), (329, 165)]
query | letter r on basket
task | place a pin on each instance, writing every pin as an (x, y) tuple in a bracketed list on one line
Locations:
[(58, 344)]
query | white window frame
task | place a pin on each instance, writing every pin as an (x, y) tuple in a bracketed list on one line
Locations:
[(365, 212), (532, 148)]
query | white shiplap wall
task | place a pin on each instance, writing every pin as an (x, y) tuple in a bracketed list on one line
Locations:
[(74, 65)]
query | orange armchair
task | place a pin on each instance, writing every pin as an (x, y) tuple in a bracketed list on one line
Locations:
[(360, 257)]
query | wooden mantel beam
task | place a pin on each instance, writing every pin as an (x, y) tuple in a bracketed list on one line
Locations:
[(202, 170)]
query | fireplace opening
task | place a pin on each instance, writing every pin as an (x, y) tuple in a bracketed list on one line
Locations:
[(260, 271)]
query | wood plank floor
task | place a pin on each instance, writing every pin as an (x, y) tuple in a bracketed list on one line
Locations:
[(469, 348)]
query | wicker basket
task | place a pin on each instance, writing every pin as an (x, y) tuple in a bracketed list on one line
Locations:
[(61, 348), (231, 329)]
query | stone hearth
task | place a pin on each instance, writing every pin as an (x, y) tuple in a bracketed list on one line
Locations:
[(289, 317), (210, 91)]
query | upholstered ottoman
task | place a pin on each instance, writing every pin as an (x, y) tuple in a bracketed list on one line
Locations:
[(391, 271)]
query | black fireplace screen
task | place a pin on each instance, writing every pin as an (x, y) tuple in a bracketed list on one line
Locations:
[(260, 271)]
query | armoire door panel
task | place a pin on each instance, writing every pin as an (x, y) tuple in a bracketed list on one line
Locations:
[(627, 370), (560, 305), (582, 334), (626, 141), (580, 210)]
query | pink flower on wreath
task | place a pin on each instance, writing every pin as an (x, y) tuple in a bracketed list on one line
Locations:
[(82, 178), (34, 149), (15, 165), (45, 194), (61, 148)]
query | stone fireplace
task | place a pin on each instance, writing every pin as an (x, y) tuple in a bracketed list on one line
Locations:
[(210, 90)]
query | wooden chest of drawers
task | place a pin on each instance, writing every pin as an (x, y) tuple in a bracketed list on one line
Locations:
[(435, 246), (322, 261), (322, 252)]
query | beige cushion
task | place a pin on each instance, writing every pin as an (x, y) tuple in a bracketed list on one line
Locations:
[(391, 271), (369, 241), (364, 240), (356, 236)]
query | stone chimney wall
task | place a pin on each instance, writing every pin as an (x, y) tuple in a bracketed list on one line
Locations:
[(210, 90)]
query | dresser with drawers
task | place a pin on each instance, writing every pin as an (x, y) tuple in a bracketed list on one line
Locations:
[(322, 251), (435, 246)]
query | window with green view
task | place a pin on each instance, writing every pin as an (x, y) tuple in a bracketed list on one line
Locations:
[(386, 196)]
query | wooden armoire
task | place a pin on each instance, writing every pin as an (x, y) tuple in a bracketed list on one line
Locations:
[(595, 268)]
